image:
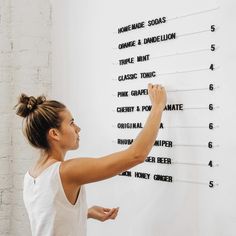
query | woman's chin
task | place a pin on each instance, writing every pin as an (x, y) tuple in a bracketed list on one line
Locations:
[(76, 146)]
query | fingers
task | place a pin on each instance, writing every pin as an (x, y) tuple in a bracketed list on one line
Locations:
[(153, 86), (157, 95), (114, 214), (111, 213), (150, 86), (106, 210)]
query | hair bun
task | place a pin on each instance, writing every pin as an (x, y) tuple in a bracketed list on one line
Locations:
[(41, 99), (32, 103), (26, 104)]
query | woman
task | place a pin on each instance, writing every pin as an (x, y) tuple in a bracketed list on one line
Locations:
[(54, 193)]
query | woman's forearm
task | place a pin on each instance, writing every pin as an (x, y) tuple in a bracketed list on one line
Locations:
[(147, 137)]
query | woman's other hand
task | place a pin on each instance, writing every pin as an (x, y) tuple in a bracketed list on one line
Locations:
[(102, 213)]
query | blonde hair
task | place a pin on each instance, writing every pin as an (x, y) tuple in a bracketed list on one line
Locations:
[(39, 116)]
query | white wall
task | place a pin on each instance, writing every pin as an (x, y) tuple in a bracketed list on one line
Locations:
[(85, 78), (25, 66), (5, 89)]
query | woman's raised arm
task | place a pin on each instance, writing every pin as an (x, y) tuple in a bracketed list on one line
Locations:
[(87, 170)]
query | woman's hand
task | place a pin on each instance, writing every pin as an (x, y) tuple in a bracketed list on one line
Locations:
[(102, 214), (157, 95)]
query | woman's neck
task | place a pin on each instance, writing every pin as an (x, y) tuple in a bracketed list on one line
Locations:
[(51, 155)]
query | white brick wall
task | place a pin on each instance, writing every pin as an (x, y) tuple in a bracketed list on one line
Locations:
[(25, 66), (5, 119)]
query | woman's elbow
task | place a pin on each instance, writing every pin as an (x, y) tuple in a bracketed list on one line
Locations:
[(139, 157)]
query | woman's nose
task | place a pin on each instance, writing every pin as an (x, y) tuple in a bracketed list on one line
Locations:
[(78, 129)]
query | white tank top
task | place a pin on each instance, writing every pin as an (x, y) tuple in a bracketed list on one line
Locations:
[(50, 212)]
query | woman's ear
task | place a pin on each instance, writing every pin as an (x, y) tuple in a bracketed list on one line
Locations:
[(53, 134)]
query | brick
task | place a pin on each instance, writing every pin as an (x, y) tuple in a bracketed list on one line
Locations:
[(18, 179), (30, 58), (45, 75), (19, 139), (5, 29), (5, 181), (17, 120), (20, 227), (17, 198), (4, 166), (5, 101), (29, 29), (5, 139), (5, 119), (40, 4), (31, 13), (29, 152), (20, 213), (26, 75), (31, 43), (5, 211), (5, 135), (5, 59), (4, 226), (6, 196), (5, 75), (20, 167), (5, 43), (5, 12), (37, 90), (5, 150)]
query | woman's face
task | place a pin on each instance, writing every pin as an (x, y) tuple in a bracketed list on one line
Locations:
[(69, 131)]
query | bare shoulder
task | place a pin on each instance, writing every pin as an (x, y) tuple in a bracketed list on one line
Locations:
[(76, 169), (67, 167)]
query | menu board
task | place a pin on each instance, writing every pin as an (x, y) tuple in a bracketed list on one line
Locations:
[(111, 50), (180, 53)]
